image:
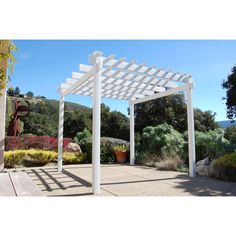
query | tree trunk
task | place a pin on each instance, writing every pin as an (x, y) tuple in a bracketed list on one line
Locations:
[(3, 64)]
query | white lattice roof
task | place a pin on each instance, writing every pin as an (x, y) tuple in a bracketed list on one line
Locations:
[(123, 80)]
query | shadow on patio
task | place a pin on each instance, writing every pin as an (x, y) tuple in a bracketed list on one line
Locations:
[(127, 181), (206, 186), (50, 180)]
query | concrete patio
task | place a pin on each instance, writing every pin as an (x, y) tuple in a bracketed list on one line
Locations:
[(125, 180)]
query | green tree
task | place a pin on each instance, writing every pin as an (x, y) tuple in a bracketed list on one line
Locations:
[(10, 91), (74, 122), (30, 94), (204, 120), (173, 111), (230, 85), (114, 124), (43, 118), (17, 91), (230, 134), (39, 124), (170, 109)]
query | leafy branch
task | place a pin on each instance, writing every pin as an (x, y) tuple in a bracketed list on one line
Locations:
[(7, 60)]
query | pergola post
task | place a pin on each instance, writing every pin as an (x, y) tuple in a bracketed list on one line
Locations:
[(132, 132), (3, 66), (96, 124), (60, 133), (191, 136), (2, 127)]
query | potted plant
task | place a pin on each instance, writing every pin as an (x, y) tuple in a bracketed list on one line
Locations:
[(120, 153)]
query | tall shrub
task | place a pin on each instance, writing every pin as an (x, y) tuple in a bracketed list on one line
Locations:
[(212, 144), (162, 139)]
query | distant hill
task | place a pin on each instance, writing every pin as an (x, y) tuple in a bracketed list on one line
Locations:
[(43, 117), (44, 113), (226, 123), (69, 106)]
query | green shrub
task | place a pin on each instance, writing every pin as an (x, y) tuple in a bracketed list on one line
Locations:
[(86, 147), (107, 145), (81, 137), (211, 144), (107, 155), (227, 161), (162, 139), (73, 158), (39, 157), (13, 158), (33, 157), (225, 167)]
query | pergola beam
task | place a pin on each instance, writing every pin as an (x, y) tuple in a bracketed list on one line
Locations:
[(106, 81), (141, 69), (86, 76), (129, 75), (159, 95), (159, 73)]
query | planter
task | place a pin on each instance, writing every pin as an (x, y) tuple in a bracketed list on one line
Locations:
[(120, 156)]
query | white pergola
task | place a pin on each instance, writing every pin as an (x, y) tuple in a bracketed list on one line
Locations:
[(113, 78)]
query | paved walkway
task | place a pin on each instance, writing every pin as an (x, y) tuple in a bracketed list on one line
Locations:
[(18, 184), (124, 180)]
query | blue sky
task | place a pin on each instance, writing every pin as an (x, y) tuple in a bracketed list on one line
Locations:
[(43, 64)]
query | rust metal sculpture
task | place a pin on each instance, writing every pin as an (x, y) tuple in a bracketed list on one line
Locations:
[(22, 108)]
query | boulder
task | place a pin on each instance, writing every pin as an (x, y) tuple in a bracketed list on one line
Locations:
[(202, 167), (202, 170), (73, 147), (205, 161)]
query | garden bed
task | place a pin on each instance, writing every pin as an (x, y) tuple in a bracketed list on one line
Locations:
[(32, 157)]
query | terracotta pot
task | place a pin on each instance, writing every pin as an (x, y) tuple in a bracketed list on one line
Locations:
[(121, 156)]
